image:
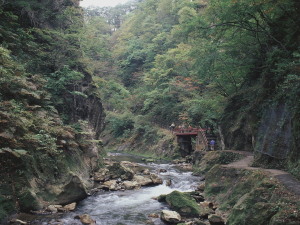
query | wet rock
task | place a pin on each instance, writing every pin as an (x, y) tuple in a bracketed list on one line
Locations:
[(155, 179), (153, 215), (86, 219), (215, 220), (129, 185), (52, 209), (168, 182), (70, 207), (111, 185), (170, 216), (101, 175), (146, 172), (161, 198), (142, 180), (162, 170), (130, 165), (119, 170)]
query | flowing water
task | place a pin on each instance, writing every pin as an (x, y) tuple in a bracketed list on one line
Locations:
[(131, 207)]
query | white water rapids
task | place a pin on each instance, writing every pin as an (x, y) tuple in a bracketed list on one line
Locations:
[(131, 207)]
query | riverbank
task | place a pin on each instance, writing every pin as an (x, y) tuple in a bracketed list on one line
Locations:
[(249, 195), (125, 193), (229, 191)]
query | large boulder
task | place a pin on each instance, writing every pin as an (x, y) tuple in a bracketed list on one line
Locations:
[(101, 175), (129, 185), (143, 180), (155, 179), (111, 185), (70, 207), (74, 191), (170, 216), (118, 170), (183, 203)]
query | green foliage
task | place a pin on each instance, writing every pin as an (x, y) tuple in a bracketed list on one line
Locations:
[(58, 81), (145, 129), (45, 141), (121, 123), (115, 94)]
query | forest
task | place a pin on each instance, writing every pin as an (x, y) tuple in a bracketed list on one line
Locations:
[(78, 82)]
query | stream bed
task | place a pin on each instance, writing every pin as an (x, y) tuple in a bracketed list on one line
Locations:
[(130, 207)]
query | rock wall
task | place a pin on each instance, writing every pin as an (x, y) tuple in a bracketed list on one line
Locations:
[(88, 108), (251, 197), (271, 130)]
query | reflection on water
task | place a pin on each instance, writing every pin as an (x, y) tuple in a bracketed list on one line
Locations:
[(130, 207)]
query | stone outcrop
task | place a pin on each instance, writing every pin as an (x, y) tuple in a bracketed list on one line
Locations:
[(111, 185), (129, 185), (155, 179), (124, 175), (143, 180), (170, 216)]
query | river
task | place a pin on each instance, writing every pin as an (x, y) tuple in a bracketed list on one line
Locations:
[(130, 207)]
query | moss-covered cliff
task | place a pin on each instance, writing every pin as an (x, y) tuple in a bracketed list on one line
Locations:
[(51, 115), (251, 197)]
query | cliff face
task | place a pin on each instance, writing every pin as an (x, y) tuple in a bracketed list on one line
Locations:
[(42, 161), (264, 115), (269, 127), (45, 158)]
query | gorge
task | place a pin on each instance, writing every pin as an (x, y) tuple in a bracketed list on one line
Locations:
[(78, 83)]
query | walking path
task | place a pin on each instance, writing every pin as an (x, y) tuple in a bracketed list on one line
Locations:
[(283, 177)]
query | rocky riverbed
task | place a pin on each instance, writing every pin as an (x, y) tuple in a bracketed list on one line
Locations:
[(135, 192)]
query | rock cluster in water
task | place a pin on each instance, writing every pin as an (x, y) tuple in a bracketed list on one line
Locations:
[(190, 208), (124, 176)]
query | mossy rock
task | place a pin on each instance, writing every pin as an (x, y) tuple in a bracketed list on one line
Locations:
[(119, 171), (183, 203), (162, 198), (259, 213), (254, 207)]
